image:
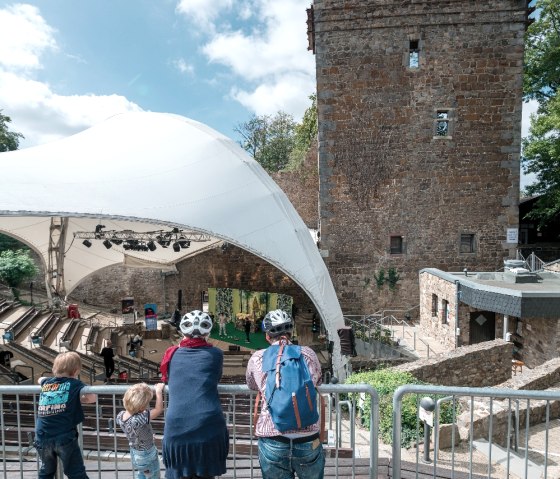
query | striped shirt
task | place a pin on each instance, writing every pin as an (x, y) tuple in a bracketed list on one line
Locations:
[(256, 380), (138, 430)]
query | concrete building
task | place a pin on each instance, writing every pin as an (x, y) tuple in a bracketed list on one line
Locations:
[(467, 307), (419, 107)]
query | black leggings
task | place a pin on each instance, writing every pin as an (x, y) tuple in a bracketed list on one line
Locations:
[(109, 369)]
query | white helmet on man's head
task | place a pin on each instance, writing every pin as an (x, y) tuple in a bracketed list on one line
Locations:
[(196, 324), (277, 322)]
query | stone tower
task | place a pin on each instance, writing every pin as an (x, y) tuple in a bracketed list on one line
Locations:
[(419, 106)]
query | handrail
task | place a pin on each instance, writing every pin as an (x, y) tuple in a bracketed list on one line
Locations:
[(26, 366), (491, 393)]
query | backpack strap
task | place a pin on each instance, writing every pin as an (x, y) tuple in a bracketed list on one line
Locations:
[(279, 362), (256, 411), (322, 411)]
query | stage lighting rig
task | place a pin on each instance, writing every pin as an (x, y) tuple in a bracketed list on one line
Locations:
[(146, 241)]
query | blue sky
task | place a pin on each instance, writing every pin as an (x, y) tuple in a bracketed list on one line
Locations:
[(66, 65)]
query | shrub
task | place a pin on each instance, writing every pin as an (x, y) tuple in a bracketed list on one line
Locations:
[(386, 382)]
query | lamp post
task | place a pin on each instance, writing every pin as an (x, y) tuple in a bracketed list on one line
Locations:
[(427, 406)]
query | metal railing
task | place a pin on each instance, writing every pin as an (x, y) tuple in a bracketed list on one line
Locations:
[(490, 425), (100, 442), (532, 262), (382, 327)]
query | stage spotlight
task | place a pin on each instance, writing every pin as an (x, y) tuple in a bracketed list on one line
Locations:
[(184, 243), (151, 246), (176, 247), (98, 228), (87, 243), (127, 246), (107, 244), (116, 241)]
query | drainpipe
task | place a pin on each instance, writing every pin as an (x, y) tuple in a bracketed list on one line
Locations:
[(506, 327), (457, 299)]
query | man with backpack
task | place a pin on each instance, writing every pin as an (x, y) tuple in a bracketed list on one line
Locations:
[(288, 427)]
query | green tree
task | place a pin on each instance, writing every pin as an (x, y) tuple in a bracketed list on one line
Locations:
[(15, 267), (541, 149), (269, 139), (305, 133), (9, 140)]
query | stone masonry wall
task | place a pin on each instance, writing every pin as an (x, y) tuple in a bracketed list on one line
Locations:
[(302, 188), (235, 268), (432, 319), (383, 171), (480, 365), (542, 377), (540, 339)]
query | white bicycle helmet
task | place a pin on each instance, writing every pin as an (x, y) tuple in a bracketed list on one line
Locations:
[(277, 322), (196, 324)]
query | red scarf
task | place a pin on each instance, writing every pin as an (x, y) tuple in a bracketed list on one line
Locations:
[(194, 343), (185, 343)]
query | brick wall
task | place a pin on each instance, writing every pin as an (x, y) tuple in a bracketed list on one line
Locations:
[(302, 187), (382, 173), (235, 268), (480, 365)]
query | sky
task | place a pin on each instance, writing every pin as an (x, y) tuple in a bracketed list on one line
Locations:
[(67, 65)]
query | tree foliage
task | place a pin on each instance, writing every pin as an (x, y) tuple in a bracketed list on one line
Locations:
[(269, 139), (9, 140), (541, 149), (305, 133), (386, 382), (16, 267), (277, 142)]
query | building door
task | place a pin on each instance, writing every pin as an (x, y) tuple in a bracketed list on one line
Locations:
[(482, 327)]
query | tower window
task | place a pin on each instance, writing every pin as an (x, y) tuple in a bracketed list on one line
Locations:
[(467, 243), (413, 54), (442, 123), (444, 311), (397, 245), (434, 305)]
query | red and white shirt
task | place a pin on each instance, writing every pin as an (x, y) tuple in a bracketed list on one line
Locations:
[(256, 380)]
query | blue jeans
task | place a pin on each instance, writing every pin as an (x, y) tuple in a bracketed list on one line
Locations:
[(146, 463), (279, 460), (66, 448)]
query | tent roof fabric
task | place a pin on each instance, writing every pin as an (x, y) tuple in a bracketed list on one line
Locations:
[(150, 171)]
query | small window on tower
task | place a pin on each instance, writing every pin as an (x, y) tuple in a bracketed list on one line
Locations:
[(467, 243), (413, 54), (397, 245), (442, 123)]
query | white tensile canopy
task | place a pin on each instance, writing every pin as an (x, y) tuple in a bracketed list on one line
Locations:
[(148, 172)]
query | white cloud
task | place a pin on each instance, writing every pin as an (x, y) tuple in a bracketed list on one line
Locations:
[(42, 115), (271, 59), (204, 13), (24, 36), (289, 93), (38, 112), (183, 67)]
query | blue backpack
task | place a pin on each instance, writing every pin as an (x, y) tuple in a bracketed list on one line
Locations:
[(290, 394)]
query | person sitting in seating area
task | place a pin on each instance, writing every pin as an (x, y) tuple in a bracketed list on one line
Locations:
[(137, 341)]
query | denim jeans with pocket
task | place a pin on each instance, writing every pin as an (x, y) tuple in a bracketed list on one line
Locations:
[(146, 463), (66, 448), (280, 460)]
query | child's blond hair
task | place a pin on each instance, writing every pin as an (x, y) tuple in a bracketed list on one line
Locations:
[(67, 364), (137, 398)]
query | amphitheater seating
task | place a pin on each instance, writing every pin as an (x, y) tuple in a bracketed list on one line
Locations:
[(71, 330), (48, 326), (23, 322)]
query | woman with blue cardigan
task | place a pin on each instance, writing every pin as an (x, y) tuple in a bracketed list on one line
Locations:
[(195, 437)]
